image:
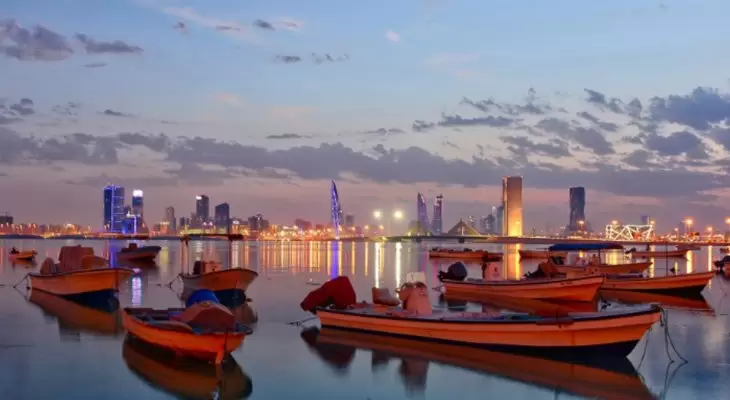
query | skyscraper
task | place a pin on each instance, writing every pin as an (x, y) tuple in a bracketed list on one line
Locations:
[(577, 208), (170, 219), (335, 209), (512, 202), (499, 220), (202, 208), (222, 216), (438, 206), (113, 208), (138, 207), (422, 213)]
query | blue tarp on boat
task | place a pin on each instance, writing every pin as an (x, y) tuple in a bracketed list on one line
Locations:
[(585, 246)]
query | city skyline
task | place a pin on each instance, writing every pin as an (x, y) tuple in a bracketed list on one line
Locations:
[(282, 98)]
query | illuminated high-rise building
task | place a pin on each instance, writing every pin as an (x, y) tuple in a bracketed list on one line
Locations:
[(499, 220), (202, 208), (438, 206), (335, 209), (222, 216), (138, 207), (113, 208), (577, 208), (422, 213), (170, 219), (512, 202)]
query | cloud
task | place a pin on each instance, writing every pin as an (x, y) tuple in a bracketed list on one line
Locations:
[(229, 98), (69, 109), (459, 121), (231, 28), (259, 23), (96, 65), (531, 106), (384, 131), (524, 147), (181, 27), (115, 47), (287, 136), (589, 138), (677, 143), (700, 109), (606, 126), (35, 44), (113, 113), (600, 100), (392, 36), (287, 59), (288, 23), (328, 58)]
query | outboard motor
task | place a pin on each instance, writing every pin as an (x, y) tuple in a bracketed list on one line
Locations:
[(337, 292), (455, 272)]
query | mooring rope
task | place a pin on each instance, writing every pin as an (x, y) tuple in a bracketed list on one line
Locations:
[(668, 342), (21, 281), (301, 321)]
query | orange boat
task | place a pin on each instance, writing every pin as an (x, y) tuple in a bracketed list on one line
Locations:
[(614, 333), (608, 269), (464, 254), (617, 380), (660, 254), (79, 317), (541, 254), (161, 328), (517, 304), (666, 301), (85, 281), (583, 288), (184, 378), (684, 284), (229, 279)]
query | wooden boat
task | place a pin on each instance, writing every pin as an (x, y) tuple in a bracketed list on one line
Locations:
[(80, 317), (134, 253), (583, 288), (724, 250), (24, 263), (229, 279), (25, 255), (518, 304), (554, 265), (683, 284), (689, 247), (158, 327), (610, 334), (617, 380), (541, 254), (659, 253), (85, 281), (666, 301), (464, 254), (183, 378)]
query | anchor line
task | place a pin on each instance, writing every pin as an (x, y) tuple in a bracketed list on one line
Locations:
[(668, 342)]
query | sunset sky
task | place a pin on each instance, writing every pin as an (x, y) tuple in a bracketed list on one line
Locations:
[(261, 103)]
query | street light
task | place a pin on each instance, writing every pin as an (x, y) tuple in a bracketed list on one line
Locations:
[(688, 224), (397, 215)]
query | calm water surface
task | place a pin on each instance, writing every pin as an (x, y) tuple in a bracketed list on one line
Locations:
[(52, 349)]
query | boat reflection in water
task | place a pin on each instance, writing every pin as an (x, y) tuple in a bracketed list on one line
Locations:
[(666, 301), (619, 380), (186, 378), (101, 318)]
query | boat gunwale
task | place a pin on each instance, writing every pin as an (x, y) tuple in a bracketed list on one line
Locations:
[(525, 282), (681, 277), (574, 317), (207, 274), (81, 272), (134, 318)]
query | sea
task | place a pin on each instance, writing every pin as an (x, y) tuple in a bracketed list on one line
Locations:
[(52, 348)]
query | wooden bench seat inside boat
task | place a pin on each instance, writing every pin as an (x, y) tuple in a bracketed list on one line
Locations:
[(384, 297)]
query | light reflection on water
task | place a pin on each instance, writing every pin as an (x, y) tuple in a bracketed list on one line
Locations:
[(31, 348)]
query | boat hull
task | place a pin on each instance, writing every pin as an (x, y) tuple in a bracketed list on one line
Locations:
[(210, 347), (226, 280), (23, 255), (462, 255), (609, 269), (567, 289), (666, 301), (660, 254), (80, 317), (598, 334), (87, 281), (147, 253), (541, 254), (681, 285)]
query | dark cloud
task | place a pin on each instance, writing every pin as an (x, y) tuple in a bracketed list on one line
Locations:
[(457, 120), (35, 44), (600, 100), (287, 136), (639, 159), (69, 109), (422, 126), (193, 174), (4, 120), (22, 108), (328, 58), (180, 26), (699, 109), (589, 138), (531, 105), (95, 65), (113, 113), (384, 131), (676, 144), (259, 23), (638, 139), (287, 59), (153, 142), (224, 28), (634, 108), (721, 136), (606, 126), (81, 148), (115, 47), (524, 147)]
